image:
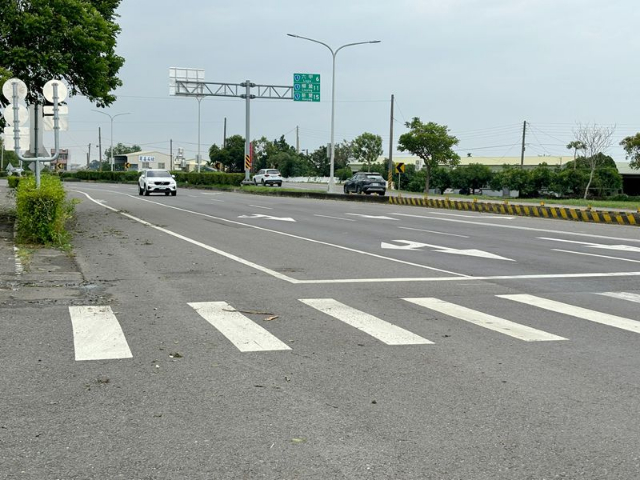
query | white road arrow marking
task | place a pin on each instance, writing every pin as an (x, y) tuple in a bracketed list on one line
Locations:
[(623, 248), (377, 217), (409, 245), (268, 217)]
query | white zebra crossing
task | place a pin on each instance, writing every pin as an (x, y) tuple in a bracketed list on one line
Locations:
[(239, 330), (384, 331), (97, 335), (578, 312), (497, 324)]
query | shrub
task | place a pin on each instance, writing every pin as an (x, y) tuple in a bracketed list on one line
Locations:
[(42, 212), (13, 181), (209, 178)]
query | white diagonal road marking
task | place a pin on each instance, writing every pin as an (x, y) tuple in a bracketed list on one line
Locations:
[(632, 297), (384, 331), (411, 245), (239, 330), (596, 255), (578, 312), (375, 217), (267, 217), (496, 324), (97, 334), (622, 248)]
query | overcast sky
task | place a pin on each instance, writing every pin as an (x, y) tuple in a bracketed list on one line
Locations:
[(481, 67)]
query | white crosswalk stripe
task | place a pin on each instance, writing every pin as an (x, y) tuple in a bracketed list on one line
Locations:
[(632, 297), (484, 320), (578, 312), (97, 335), (376, 327), (239, 330)]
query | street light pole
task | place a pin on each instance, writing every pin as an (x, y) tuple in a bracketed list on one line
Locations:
[(111, 117), (333, 99), (199, 98)]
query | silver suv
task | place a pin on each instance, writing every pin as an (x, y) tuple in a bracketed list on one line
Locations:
[(157, 181), (268, 176)]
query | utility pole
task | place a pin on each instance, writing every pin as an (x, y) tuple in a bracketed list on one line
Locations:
[(224, 134), (524, 135), (391, 147), (297, 139), (89, 156), (171, 167), (99, 149)]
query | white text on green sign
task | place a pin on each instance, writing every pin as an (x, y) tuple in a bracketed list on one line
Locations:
[(306, 87)]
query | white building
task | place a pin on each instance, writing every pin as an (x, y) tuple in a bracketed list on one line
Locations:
[(142, 160)]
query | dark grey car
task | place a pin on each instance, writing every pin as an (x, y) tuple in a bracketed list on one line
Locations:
[(367, 183)]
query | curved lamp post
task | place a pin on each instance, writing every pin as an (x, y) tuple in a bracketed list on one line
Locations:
[(333, 98), (111, 117)]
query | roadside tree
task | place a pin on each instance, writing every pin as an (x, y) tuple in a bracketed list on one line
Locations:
[(9, 156), (575, 145), (121, 149), (473, 176), (631, 145), (367, 148), (512, 178), (432, 143), (231, 155), (72, 40), (596, 139)]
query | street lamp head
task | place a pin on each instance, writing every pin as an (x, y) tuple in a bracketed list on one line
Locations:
[(375, 41)]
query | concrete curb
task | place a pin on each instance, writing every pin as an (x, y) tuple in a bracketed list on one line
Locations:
[(561, 213)]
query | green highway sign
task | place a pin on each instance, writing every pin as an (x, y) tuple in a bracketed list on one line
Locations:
[(306, 87)]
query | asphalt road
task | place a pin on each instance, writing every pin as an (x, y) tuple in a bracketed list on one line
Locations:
[(239, 336)]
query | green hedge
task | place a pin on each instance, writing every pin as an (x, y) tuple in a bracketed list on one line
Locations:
[(130, 176), (13, 181), (209, 178), (42, 212), (192, 178)]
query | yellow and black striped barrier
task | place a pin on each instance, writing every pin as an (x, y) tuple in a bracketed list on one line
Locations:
[(563, 213)]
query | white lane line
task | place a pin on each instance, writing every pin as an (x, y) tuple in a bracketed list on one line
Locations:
[(336, 218), (578, 312), (260, 206), (459, 277), (216, 200), (374, 217), (515, 227), (230, 256), (497, 324), (501, 217), (631, 297), (384, 331), (562, 276), (595, 255), (239, 330), (433, 231), (251, 264), (624, 248), (97, 334), (18, 262)]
